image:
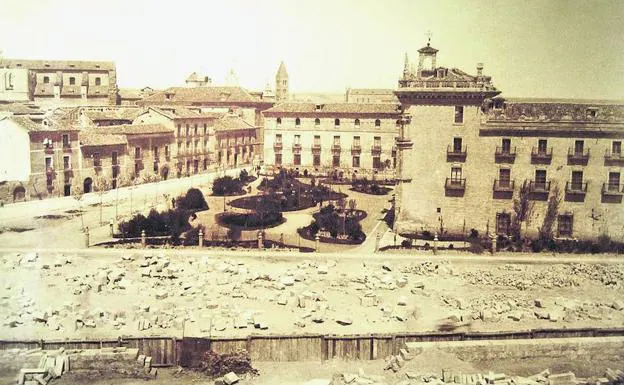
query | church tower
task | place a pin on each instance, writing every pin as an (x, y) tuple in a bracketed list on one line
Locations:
[(281, 83)]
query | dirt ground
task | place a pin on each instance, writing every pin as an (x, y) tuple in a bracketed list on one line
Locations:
[(109, 296)]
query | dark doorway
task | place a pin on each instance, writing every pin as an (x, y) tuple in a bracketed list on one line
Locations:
[(19, 194), (67, 190), (87, 185)]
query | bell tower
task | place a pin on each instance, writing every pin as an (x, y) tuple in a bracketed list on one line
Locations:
[(427, 57)]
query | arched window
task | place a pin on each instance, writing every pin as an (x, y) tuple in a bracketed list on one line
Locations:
[(377, 122), (317, 122), (297, 122), (336, 122), (279, 121), (357, 122)]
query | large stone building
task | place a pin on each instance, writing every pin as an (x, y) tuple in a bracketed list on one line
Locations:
[(54, 82), (465, 153), (370, 95), (352, 139)]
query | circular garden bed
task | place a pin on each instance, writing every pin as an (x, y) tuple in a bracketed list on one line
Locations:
[(280, 202), (250, 221), (371, 189), (332, 227)]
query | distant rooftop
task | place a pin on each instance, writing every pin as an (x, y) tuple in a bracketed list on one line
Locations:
[(57, 64), (334, 108), (201, 95)]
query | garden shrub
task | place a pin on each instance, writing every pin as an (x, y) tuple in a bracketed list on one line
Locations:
[(226, 186), (193, 200)]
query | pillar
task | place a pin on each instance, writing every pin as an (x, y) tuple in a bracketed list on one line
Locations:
[(317, 240), (435, 243), (201, 238), (260, 242), (111, 225), (143, 239)]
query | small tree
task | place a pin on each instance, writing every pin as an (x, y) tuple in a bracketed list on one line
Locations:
[(101, 184), (78, 194), (523, 208), (352, 205), (546, 231)]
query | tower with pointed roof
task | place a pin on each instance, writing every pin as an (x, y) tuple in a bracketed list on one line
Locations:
[(281, 83)]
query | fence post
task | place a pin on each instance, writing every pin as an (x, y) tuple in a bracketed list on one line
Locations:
[(201, 238), (260, 242), (435, 243), (317, 240), (110, 224), (143, 239), (493, 238), (86, 237), (377, 239)]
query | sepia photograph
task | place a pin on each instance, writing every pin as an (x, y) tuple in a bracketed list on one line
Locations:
[(312, 192)]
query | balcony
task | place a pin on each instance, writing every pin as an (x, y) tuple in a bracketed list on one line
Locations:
[(456, 154), (455, 187), (376, 149), (68, 172), (49, 150), (335, 147), (578, 157), (115, 168), (505, 155), (356, 149), (138, 157), (97, 168), (613, 159), (539, 190), (167, 157), (50, 171), (67, 147), (296, 147), (278, 146), (575, 191), (503, 189), (541, 156), (316, 148)]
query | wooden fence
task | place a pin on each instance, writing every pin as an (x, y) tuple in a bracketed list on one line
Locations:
[(188, 352)]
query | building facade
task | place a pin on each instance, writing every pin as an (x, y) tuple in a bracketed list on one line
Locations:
[(464, 155), (54, 82), (351, 139), (38, 160)]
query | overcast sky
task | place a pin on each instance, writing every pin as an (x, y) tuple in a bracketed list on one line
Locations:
[(532, 48)]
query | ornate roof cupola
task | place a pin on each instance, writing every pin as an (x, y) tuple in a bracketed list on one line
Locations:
[(427, 59)]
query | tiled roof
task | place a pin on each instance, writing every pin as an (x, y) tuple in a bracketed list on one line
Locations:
[(50, 124), (371, 91), (113, 114), (21, 109), (53, 65), (335, 108), (136, 129), (207, 94), (185, 113), (25, 122), (135, 93), (90, 138), (231, 122)]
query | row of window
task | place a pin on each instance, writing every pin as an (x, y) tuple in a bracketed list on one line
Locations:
[(316, 160), (564, 224), (542, 147), (72, 80), (336, 142), (541, 183), (195, 130), (317, 122)]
